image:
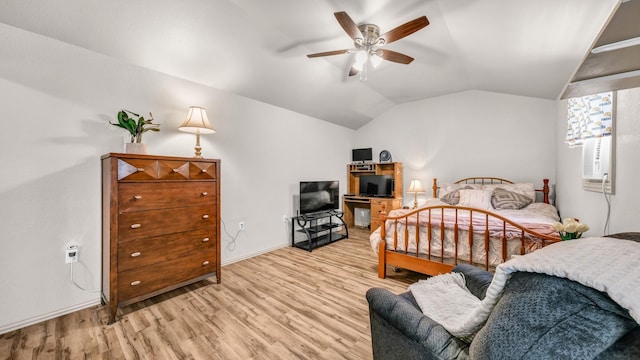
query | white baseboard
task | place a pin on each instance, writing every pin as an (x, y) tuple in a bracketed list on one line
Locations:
[(248, 256), (38, 319)]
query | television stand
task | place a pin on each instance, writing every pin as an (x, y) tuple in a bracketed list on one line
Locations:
[(319, 229)]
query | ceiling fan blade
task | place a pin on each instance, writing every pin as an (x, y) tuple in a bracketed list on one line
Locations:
[(353, 71), (404, 29), (348, 25), (328, 53), (394, 56)]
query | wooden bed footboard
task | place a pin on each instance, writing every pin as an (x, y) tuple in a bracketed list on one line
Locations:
[(481, 228)]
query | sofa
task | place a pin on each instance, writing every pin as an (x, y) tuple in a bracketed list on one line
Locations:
[(537, 317)]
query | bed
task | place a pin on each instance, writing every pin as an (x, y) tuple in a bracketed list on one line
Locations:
[(479, 220)]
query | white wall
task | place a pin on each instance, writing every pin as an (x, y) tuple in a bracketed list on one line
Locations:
[(591, 207), (472, 133), (56, 101)]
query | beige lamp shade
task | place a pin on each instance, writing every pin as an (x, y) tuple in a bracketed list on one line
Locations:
[(415, 188), (197, 122)]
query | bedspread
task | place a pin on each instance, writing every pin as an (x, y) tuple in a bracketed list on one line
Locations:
[(537, 217)]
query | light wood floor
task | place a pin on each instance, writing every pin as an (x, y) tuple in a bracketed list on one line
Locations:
[(287, 304)]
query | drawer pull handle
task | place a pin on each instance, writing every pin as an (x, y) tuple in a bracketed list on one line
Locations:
[(136, 254), (205, 239), (205, 216), (204, 193), (137, 197), (205, 263), (137, 282), (140, 169), (176, 170), (204, 170), (135, 226)]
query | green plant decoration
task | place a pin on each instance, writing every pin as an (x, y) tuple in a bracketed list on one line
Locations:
[(135, 127)]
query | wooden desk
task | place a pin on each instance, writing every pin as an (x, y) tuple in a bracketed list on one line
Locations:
[(374, 204)]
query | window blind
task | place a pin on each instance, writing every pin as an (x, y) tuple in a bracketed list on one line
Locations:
[(588, 117)]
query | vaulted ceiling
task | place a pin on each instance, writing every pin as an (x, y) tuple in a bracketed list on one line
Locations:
[(258, 48)]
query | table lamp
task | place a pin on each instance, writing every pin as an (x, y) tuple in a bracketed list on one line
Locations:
[(416, 188), (197, 123)]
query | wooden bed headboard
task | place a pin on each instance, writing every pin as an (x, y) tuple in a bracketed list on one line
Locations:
[(493, 180)]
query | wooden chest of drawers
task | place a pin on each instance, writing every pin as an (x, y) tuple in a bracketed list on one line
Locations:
[(160, 227)]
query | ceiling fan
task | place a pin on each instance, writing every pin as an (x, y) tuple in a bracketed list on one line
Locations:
[(368, 42)]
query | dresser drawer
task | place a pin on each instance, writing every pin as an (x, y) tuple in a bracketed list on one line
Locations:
[(376, 207), (202, 170), (146, 251), (141, 281), (137, 169), (145, 196), (150, 223)]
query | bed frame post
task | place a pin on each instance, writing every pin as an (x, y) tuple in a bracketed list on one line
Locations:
[(383, 218), (382, 245), (382, 259), (435, 187), (545, 190)]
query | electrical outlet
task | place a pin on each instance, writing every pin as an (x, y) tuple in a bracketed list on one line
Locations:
[(71, 253), (241, 225), (285, 219)]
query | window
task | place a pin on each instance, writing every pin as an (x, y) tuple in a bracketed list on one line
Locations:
[(590, 125), (589, 117)]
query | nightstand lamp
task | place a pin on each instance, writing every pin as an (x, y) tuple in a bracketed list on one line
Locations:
[(197, 123), (415, 188)]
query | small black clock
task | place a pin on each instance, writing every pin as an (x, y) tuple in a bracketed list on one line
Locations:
[(385, 156)]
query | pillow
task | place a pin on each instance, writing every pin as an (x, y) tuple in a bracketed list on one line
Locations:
[(526, 189), (453, 197), (505, 199), (475, 198), (447, 188)]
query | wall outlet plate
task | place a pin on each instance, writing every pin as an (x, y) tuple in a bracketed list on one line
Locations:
[(241, 225), (71, 254)]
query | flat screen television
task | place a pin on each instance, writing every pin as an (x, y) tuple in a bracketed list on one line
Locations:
[(361, 155), (316, 196), (376, 185)]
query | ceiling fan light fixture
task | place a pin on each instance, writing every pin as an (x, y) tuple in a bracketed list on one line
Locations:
[(358, 67), (616, 45), (375, 60), (361, 59)]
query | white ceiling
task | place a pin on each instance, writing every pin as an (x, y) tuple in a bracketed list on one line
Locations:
[(257, 48)]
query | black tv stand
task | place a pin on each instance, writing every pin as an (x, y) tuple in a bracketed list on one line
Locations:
[(320, 228)]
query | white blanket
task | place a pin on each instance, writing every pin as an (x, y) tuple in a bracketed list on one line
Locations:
[(605, 264)]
